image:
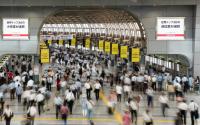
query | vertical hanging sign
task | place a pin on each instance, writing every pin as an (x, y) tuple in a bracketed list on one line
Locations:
[(135, 55), (49, 41), (107, 47), (60, 42), (115, 49), (124, 51), (101, 44), (73, 42), (87, 43), (44, 56)]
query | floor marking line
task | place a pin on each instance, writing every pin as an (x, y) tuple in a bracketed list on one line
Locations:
[(116, 115)]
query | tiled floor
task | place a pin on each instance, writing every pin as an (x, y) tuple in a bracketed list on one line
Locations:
[(101, 116)]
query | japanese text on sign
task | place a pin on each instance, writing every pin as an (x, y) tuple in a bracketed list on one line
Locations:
[(135, 56), (101, 44), (107, 47), (87, 43), (15, 29), (115, 49), (123, 51), (44, 55), (170, 28)]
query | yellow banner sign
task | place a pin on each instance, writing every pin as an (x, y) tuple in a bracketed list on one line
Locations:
[(60, 42), (124, 51), (49, 41), (43, 45), (44, 55), (73, 42), (101, 45), (115, 49), (135, 56), (87, 43), (107, 47)]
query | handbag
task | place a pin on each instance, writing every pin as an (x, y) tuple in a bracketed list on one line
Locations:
[(196, 114)]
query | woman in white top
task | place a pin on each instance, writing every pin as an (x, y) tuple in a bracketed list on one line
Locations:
[(163, 99), (119, 92), (147, 117)]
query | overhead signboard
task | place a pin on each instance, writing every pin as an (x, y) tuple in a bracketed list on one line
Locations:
[(170, 28), (107, 47), (73, 42), (87, 43), (60, 42), (115, 49), (124, 51), (15, 29), (135, 55), (101, 42), (44, 56)]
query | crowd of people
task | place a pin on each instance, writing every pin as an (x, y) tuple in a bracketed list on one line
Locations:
[(75, 75)]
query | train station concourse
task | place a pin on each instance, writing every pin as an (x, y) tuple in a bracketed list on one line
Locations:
[(99, 62)]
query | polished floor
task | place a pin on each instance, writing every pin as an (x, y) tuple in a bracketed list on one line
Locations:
[(101, 117)]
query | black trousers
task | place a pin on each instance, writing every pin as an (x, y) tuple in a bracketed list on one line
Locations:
[(134, 115), (163, 108), (40, 107), (88, 91), (97, 94), (154, 86), (119, 97), (12, 94), (70, 105), (57, 110), (183, 115), (149, 101), (19, 98), (49, 86), (8, 121), (192, 115)]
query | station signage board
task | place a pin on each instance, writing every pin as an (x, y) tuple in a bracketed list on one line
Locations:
[(87, 43), (73, 42), (124, 51), (101, 42), (15, 29), (44, 55), (107, 47), (170, 28), (60, 42), (49, 41), (115, 49), (135, 54)]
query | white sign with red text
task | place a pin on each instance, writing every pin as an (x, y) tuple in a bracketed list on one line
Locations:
[(170, 28), (15, 29)]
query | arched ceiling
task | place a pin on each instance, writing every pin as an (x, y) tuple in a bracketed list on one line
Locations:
[(103, 22), (90, 16)]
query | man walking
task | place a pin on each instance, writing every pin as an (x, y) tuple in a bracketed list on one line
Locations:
[(193, 108)]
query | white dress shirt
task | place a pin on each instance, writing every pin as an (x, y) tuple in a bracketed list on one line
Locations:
[(163, 99), (97, 85), (182, 106), (193, 106), (119, 89)]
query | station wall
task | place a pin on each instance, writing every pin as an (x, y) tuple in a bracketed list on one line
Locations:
[(148, 16)]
